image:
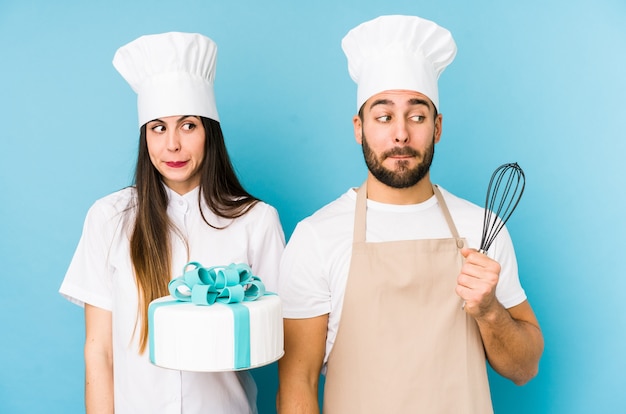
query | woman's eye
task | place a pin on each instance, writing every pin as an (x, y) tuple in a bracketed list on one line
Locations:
[(158, 128), (188, 126)]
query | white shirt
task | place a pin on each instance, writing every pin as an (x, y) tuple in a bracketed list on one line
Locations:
[(314, 267), (101, 274)]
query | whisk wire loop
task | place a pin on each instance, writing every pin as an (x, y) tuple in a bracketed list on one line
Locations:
[(504, 192)]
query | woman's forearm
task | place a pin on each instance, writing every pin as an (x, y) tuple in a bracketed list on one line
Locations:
[(98, 361), (98, 386)]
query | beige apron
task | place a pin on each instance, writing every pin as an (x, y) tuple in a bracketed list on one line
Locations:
[(404, 345)]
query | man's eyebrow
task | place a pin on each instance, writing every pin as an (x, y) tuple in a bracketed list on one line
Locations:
[(417, 101), (381, 102), (412, 101)]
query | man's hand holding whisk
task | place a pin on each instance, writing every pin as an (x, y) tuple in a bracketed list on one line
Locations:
[(476, 283)]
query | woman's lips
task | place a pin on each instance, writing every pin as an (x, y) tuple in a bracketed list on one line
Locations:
[(176, 164)]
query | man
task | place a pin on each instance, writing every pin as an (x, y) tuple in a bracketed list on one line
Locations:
[(381, 288)]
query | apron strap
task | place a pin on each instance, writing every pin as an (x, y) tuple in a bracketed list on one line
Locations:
[(359, 214), (448, 217)]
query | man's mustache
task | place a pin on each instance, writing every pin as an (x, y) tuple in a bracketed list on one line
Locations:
[(401, 151)]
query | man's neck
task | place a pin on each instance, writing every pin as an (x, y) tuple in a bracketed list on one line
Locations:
[(382, 193)]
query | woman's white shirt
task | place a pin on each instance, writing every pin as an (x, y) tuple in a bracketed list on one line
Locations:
[(101, 274)]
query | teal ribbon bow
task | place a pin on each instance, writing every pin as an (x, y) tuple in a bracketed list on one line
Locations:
[(225, 284)]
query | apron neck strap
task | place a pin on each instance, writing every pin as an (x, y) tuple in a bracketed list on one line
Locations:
[(359, 214), (448, 216)]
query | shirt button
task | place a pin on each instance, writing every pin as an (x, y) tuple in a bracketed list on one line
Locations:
[(180, 202)]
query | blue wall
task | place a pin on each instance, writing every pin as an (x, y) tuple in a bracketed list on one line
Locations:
[(537, 82)]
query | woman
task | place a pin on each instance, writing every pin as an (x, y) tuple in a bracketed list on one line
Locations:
[(187, 204)]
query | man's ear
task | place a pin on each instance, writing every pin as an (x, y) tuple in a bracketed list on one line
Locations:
[(358, 129), (438, 127)]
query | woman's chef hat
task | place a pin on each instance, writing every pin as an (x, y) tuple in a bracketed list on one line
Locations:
[(172, 74), (397, 52)]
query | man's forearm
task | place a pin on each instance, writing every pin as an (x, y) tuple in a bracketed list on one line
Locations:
[(513, 346), (297, 398)]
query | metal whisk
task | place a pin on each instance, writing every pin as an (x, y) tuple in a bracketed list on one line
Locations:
[(503, 194)]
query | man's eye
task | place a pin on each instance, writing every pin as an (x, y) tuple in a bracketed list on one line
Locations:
[(418, 118), (384, 118)]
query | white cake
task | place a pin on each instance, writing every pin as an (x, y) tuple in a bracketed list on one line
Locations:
[(190, 337)]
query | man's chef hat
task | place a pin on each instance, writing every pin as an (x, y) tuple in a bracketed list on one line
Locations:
[(397, 52), (172, 74)]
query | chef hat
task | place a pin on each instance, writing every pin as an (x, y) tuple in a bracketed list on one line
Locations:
[(172, 74), (397, 52)]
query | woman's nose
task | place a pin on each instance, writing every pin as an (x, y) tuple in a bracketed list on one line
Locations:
[(173, 141)]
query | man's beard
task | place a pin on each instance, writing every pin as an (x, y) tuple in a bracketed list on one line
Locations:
[(401, 176)]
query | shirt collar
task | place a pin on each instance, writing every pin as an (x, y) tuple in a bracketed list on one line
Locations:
[(180, 203)]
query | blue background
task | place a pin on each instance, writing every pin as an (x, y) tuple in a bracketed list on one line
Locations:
[(537, 82)]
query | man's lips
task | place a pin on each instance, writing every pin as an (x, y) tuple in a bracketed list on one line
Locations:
[(176, 164)]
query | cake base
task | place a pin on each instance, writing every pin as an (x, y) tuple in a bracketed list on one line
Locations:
[(189, 337)]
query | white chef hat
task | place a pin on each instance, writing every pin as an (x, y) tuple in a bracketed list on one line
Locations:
[(398, 52), (172, 74)]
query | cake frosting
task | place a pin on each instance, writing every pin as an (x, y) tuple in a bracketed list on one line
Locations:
[(215, 319)]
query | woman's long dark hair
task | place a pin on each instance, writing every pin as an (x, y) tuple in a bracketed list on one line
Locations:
[(150, 244)]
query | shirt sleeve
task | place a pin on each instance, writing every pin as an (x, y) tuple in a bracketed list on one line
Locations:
[(303, 284), (509, 290), (88, 278), (266, 247)]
